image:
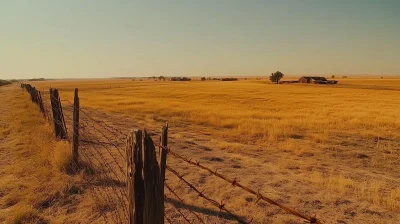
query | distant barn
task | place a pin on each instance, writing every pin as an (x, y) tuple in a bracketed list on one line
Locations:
[(180, 79), (316, 80)]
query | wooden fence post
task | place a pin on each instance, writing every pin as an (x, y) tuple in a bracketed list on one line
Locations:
[(145, 178), (59, 123), (135, 184), (34, 95), (40, 102), (163, 158), (75, 137), (154, 200)]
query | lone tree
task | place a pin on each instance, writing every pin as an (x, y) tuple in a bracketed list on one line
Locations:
[(275, 77)]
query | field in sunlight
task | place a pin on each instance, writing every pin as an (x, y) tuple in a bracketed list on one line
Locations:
[(335, 144), (35, 186)]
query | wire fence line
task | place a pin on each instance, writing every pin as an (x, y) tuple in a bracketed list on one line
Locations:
[(172, 191), (103, 156), (234, 182)]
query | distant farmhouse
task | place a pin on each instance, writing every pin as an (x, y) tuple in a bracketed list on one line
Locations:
[(312, 79), (316, 80), (180, 79)]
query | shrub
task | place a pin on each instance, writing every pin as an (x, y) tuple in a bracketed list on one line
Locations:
[(4, 82), (180, 79), (229, 79), (275, 77)]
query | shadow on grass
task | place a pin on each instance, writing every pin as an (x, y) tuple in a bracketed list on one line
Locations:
[(203, 210)]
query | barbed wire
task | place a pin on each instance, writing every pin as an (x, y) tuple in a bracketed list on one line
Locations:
[(221, 206), (182, 202), (168, 219), (178, 210), (99, 122), (234, 182)]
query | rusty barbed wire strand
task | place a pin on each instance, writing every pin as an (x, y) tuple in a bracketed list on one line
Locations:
[(182, 202), (168, 219), (109, 199), (201, 194), (111, 154), (234, 182), (106, 163), (104, 136), (121, 195), (178, 210), (103, 175), (97, 121)]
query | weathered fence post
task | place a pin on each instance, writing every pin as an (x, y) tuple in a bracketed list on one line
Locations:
[(40, 102), (163, 157), (154, 200), (135, 184), (34, 95), (59, 124), (145, 192), (75, 137)]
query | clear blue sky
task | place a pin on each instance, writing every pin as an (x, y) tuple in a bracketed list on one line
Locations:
[(108, 38)]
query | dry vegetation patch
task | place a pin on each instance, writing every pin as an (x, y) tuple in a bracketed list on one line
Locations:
[(34, 183), (329, 150)]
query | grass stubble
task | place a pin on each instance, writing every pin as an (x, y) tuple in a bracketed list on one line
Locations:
[(36, 185)]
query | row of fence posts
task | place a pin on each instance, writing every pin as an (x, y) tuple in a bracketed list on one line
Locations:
[(60, 128), (145, 174)]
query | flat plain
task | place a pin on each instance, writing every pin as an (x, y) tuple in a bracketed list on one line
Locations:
[(328, 150)]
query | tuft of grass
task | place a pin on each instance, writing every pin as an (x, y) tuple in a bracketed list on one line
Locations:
[(62, 158), (25, 214), (371, 190)]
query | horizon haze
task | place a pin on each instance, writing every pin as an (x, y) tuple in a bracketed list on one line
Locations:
[(104, 39)]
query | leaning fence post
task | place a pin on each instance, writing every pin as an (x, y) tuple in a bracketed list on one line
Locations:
[(134, 177), (59, 124), (75, 137), (40, 102)]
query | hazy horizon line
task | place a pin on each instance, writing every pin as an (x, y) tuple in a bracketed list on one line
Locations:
[(267, 75)]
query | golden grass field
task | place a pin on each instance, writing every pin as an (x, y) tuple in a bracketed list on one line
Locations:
[(329, 150)]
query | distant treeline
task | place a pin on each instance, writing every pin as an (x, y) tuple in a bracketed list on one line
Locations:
[(37, 79), (7, 82), (180, 79)]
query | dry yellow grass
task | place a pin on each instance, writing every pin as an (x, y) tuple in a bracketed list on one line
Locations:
[(34, 184), (335, 144)]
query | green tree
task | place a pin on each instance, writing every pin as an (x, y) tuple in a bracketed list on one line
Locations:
[(275, 77), (333, 76)]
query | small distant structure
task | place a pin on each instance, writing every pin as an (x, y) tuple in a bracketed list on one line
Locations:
[(316, 80), (229, 79), (180, 79), (288, 81)]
